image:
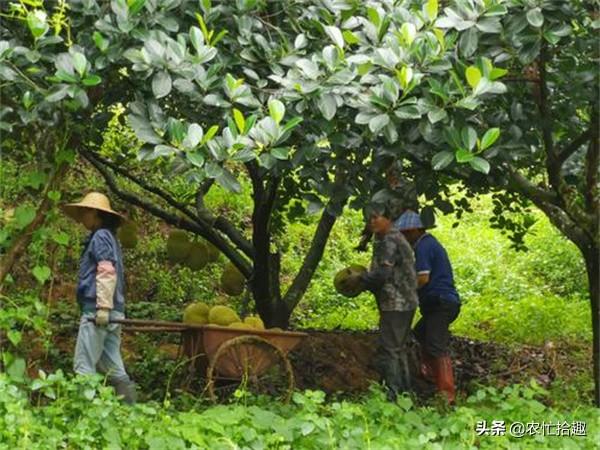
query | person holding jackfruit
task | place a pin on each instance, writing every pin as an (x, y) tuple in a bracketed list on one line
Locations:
[(392, 280)]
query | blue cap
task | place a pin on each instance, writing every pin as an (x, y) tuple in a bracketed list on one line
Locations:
[(409, 220)]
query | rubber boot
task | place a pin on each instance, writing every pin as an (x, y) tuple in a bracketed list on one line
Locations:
[(444, 377), (126, 389), (426, 367)]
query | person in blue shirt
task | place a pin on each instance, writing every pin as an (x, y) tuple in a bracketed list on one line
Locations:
[(100, 294), (439, 302)]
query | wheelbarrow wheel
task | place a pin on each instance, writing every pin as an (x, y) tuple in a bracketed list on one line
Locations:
[(249, 364)]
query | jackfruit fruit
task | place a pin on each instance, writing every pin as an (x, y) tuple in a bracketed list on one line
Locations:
[(222, 315), (196, 313), (232, 280), (127, 234), (347, 281), (212, 252), (255, 322), (197, 257), (241, 325), (178, 246)]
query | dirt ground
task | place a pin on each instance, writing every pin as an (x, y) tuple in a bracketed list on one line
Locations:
[(341, 362)]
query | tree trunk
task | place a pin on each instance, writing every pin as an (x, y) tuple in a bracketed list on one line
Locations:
[(592, 265)]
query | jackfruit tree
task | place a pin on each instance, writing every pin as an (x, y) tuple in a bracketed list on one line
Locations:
[(311, 102)]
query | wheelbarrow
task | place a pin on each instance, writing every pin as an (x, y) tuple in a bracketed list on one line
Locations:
[(234, 358)]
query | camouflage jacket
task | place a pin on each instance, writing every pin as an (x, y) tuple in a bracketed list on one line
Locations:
[(398, 291)]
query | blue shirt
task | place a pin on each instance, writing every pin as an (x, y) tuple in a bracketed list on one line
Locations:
[(432, 258), (100, 245)]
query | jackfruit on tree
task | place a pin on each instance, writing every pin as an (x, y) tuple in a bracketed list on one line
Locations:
[(347, 281), (222, 315), (197, 257), (178, 246), (232, 280), (212, 252), (128, 235), (196, 313)]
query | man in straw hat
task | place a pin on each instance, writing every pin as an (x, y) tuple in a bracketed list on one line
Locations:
[(100, 294), (439, 302)]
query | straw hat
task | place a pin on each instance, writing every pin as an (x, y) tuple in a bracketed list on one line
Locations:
[(93, 200)]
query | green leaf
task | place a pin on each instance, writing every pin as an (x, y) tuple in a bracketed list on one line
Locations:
[(469, 137), (24, 215), (327, 106), (16, 370), (463, 155), (91, 80), (291, 124), (378, 122), (14, 336), (210, 134), (335, 35), (535, 17), (480, 165), (408, 31), (194, 136), (228, 181), (489, 138), (350, 37), (61, 238), (240, 122), (497, 72), (373, 16), (473, 75), (197, 38), (276, 110), (41, 273), (57, 93), (196, 158), (437, 114), (161, 84), (441, 160), (468, 42), (431, 9), (79, 62), (100, 41), (37, 23), (281, 153), (135, 6)]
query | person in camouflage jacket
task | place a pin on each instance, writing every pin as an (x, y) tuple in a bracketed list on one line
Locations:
[(392, 280)]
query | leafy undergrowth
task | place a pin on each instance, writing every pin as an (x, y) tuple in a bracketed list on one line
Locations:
[(56, 412)]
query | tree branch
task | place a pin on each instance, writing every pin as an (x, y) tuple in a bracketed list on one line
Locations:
[(153, 189), (311, 260), (180, 222), (574, 146)]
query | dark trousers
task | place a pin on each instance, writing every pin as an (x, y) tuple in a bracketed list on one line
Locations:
[(391, 358), (432, 329)]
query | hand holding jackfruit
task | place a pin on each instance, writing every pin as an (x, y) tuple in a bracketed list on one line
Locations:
[(127, 234), (178, 246), (196, 313), (232, 280), (348, 281), (222, 315)]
